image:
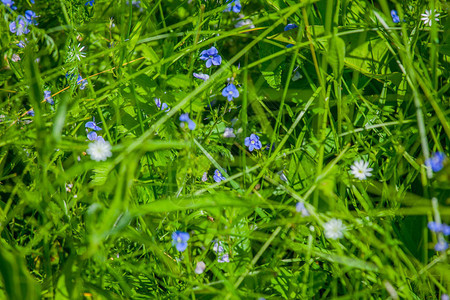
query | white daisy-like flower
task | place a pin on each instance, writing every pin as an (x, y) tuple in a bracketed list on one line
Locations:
[(334, 229), (99, 150), (427, 17), (360, 169)]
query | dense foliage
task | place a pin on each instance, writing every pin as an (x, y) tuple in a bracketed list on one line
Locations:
[(224, 149)]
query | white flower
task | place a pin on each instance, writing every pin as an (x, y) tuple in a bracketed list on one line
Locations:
[(229, 133), (360, 169), (99, 150), (201, 266), (334, 229), (427, 17)]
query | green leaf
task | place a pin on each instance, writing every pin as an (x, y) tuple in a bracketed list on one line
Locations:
[(336, 55)]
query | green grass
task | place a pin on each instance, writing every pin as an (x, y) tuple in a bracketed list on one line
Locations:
[(353, 86)]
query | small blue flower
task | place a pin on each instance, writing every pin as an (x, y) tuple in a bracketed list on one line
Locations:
[(201, 76), (90, 3), (163, 106), (441, 246), (234, 5), (30, 112), (289, 27), (82, 82), (211, 56), (180, 239), (10, 4), (436, 162), (22, 44), (224, 258), (395, 17), (185, 118), (230, 92), (29, 16), (253, 142), (218, 177), (19, 26), (435, 227), (32, 1), (48, 97), (92, 125)]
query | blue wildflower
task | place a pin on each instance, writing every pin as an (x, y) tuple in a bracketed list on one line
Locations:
[(211, 56), (92, 125), (234, 6), (180, 239), (224, 258), (441, 246), (19, 26), (82, 82), (436, 162), (435, 227), (90, 3), (92, 136), (395, 17), (445, 229), (30, 16), (185, 118), (48, 97), (201, 76), (30, 112), (162, 106), (218, 177), (32, 1), (289, 27), (10, 4), (22, 44), (230, 92), (253, 142)]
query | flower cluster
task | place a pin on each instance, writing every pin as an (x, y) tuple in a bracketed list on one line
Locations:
[(443, 228), (99, 149), (20, 25)]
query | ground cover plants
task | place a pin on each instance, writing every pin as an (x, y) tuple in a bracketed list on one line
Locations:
[(254, 149)]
